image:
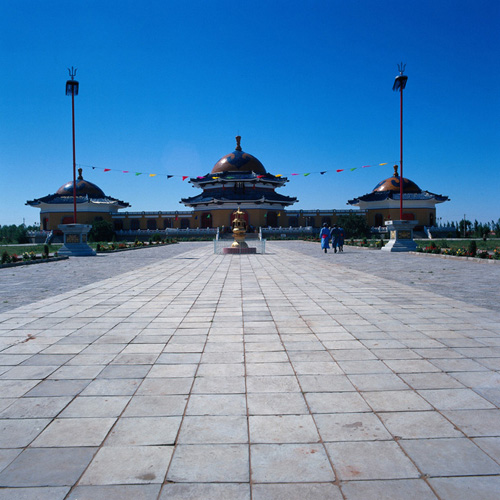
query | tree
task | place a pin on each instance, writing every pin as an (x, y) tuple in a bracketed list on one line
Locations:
[(355, 226), (102, 230)]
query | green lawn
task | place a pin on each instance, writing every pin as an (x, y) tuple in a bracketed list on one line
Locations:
[(489, 244), (20, 249)]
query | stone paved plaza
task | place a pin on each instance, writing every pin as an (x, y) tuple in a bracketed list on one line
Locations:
[(174, 373)]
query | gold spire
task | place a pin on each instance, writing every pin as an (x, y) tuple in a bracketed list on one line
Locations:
[(238, 140), (396, 171), (80, 176)]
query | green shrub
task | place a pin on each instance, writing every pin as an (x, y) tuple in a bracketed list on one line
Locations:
[(472, 247), (5, 257)]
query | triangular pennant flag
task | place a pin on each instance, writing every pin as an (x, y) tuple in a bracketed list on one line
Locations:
[(382, 163), (305, 175), (215, 178), (278, 175), (184, 177), (152, 175), (125, 171), (93, 168), (353, 168), (340, 170), (260, 176), (324, 172), (107, 169), (200, 177), (138, 173), (169, 176), (295, 174), (366, 166)]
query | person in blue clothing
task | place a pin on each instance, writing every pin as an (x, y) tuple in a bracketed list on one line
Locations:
[(341, 239), (325, 237), (335, 237)]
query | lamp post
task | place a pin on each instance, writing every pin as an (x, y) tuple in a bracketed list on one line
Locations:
[(72, 90), (400, 84)]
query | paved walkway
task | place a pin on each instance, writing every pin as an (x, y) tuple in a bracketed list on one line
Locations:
[(290, 375)]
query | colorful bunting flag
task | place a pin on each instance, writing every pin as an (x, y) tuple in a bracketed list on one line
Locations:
[(138, 173), (184, 177), (107, 169), (152, 175), (340, 170), (305, 175)]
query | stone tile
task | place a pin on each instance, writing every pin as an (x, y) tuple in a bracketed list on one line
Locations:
[(267, 369), (77, 372), (165, 386), (465, 488), (18, 433), (378, 382), (455, 399), (156, 406), (125, 371), (205, 491), (96, 406), (316, 368), (290, 463), (137, 431), (217, 404), (221, 370), (325, 383), (407, 489), (210, 429), (178, 358), (47, 466), (165, 371), (7, 456), (44, 493), (431, 381), (112, 387), (28, 372), (128, 465), (350, 427), (216, 463), (48, 388), (276, 404), (364, 367), (449, 457), (395, 401), (36, 407), (490, 445), (283, 429), (118, 492), (16, 388), (296, 491), (222, 357), (411, 366), (370, 460), (219, 385), (336, 402), (418, 425), (72, 432), (476, 422)]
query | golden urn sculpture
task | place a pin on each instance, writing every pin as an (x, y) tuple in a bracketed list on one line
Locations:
[(239, 229)]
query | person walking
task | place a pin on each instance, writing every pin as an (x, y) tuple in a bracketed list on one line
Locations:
[(341, 239), (335, 237), (325, 236)]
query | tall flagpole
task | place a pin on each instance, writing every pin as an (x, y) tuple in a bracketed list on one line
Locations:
[(400, 84), (72, 89)]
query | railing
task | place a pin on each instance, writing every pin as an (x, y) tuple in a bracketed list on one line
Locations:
[(287, 231), (439, 231)]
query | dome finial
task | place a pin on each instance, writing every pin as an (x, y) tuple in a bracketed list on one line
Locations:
[(238, 140), (396, 171), (80, 176)]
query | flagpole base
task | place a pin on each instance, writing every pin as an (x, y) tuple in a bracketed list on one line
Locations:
[(401, 236)]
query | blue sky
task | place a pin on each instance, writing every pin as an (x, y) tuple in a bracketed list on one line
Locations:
[(165, 86)]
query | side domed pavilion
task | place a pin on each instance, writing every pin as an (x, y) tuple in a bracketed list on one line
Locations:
[(238, 180), (382, 204), (91, 205)]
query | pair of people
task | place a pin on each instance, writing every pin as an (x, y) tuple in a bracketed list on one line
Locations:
[(336, 234)]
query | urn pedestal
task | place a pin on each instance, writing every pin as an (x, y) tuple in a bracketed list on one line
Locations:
[(401, 236), (75, 240)]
